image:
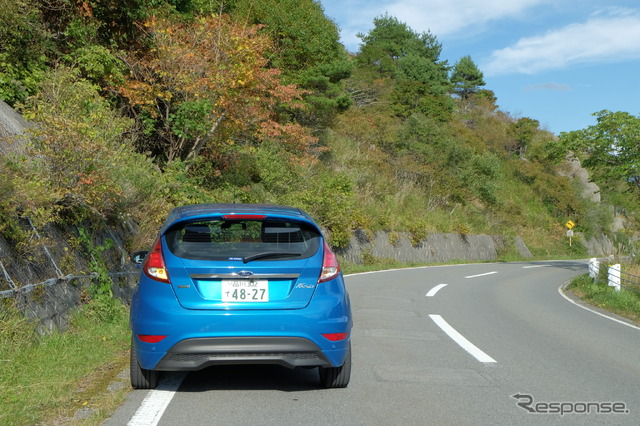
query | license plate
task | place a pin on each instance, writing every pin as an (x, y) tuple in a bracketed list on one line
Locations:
[(245, 290)]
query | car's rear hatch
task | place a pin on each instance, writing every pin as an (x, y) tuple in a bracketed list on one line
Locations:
[(248, 263)]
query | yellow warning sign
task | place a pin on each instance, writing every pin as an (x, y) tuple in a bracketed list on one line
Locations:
[(570, 224)]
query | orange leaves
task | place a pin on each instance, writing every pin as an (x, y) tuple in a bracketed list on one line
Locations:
[(206, 56), (297, 139), (85, 180), (85, 9), (216, 60), (144, 95)]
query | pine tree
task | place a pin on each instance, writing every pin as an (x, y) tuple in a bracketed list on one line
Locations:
[(466, 77)]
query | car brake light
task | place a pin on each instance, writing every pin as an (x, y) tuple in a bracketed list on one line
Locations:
[(244, 216), (146, 338), (330, 265), (154, 267), (334, 337)]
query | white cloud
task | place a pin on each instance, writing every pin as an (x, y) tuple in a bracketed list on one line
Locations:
[(445, 17), (441, 17), (604, 38), (614, 10)]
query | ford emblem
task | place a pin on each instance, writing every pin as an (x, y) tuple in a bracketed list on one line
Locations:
[(245, 273)]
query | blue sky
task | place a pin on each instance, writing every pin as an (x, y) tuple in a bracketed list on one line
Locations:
[(556, 61)]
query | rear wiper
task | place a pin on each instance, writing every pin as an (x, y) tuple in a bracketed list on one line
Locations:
[(268, 254)]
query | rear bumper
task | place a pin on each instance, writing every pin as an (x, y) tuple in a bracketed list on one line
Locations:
[(195, 339), (198, 353)]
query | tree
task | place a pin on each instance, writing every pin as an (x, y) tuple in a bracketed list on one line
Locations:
[(523, 132), (117, 19), (24, 43), (206, 81), (393, 50), (80, 146), (409, 97), (390, 40), (609, 147), (307, 49), (466, 78)]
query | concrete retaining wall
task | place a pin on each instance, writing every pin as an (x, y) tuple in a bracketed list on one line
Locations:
[(27, 279), (436, 248), (442, 248), (50, 303)]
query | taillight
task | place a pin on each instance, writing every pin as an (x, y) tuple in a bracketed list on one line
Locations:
[(154, 267), (335, 337), (147, 338), (330, 265)]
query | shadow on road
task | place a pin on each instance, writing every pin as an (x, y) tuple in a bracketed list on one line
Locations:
[(250, 377), (571, 265)]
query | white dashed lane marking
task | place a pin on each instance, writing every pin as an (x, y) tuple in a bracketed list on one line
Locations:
[(461, 340)]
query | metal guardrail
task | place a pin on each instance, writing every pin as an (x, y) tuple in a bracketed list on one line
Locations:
[(630, 281), (49, 302), (615, 276), (52, 281)]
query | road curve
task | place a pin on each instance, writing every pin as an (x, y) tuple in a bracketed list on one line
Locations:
[(464, 344)]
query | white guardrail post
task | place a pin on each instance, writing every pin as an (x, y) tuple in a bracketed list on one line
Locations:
[(614, 276), (594, 268)]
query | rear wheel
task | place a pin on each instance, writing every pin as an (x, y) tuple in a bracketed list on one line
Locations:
[(336, 377), (141, 378)]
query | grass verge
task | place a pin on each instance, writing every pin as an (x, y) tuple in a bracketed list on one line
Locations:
[(625, 303), (63, 378)]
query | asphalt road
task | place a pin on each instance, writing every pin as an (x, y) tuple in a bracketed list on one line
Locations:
[(436, 345)]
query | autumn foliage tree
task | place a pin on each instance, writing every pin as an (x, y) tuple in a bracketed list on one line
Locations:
[(205, 84)]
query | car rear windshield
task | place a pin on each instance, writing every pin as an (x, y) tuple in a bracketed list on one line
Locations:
[(246, 240)]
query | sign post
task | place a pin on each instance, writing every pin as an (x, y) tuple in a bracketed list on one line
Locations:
[(570, 226)]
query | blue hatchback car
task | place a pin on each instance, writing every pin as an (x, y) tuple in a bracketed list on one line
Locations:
[(240, 284)]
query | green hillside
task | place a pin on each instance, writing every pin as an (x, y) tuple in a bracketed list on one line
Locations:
[(144, 105)]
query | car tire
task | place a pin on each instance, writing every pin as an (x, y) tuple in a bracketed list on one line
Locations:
[(336, 377), (141, 378)]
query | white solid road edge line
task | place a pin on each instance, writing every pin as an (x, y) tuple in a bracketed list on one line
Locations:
[(156, 401), (434, 290), (460, 340), (561, 291)]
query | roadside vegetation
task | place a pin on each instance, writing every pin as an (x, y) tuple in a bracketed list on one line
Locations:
[(625, 303), (50, 379)]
